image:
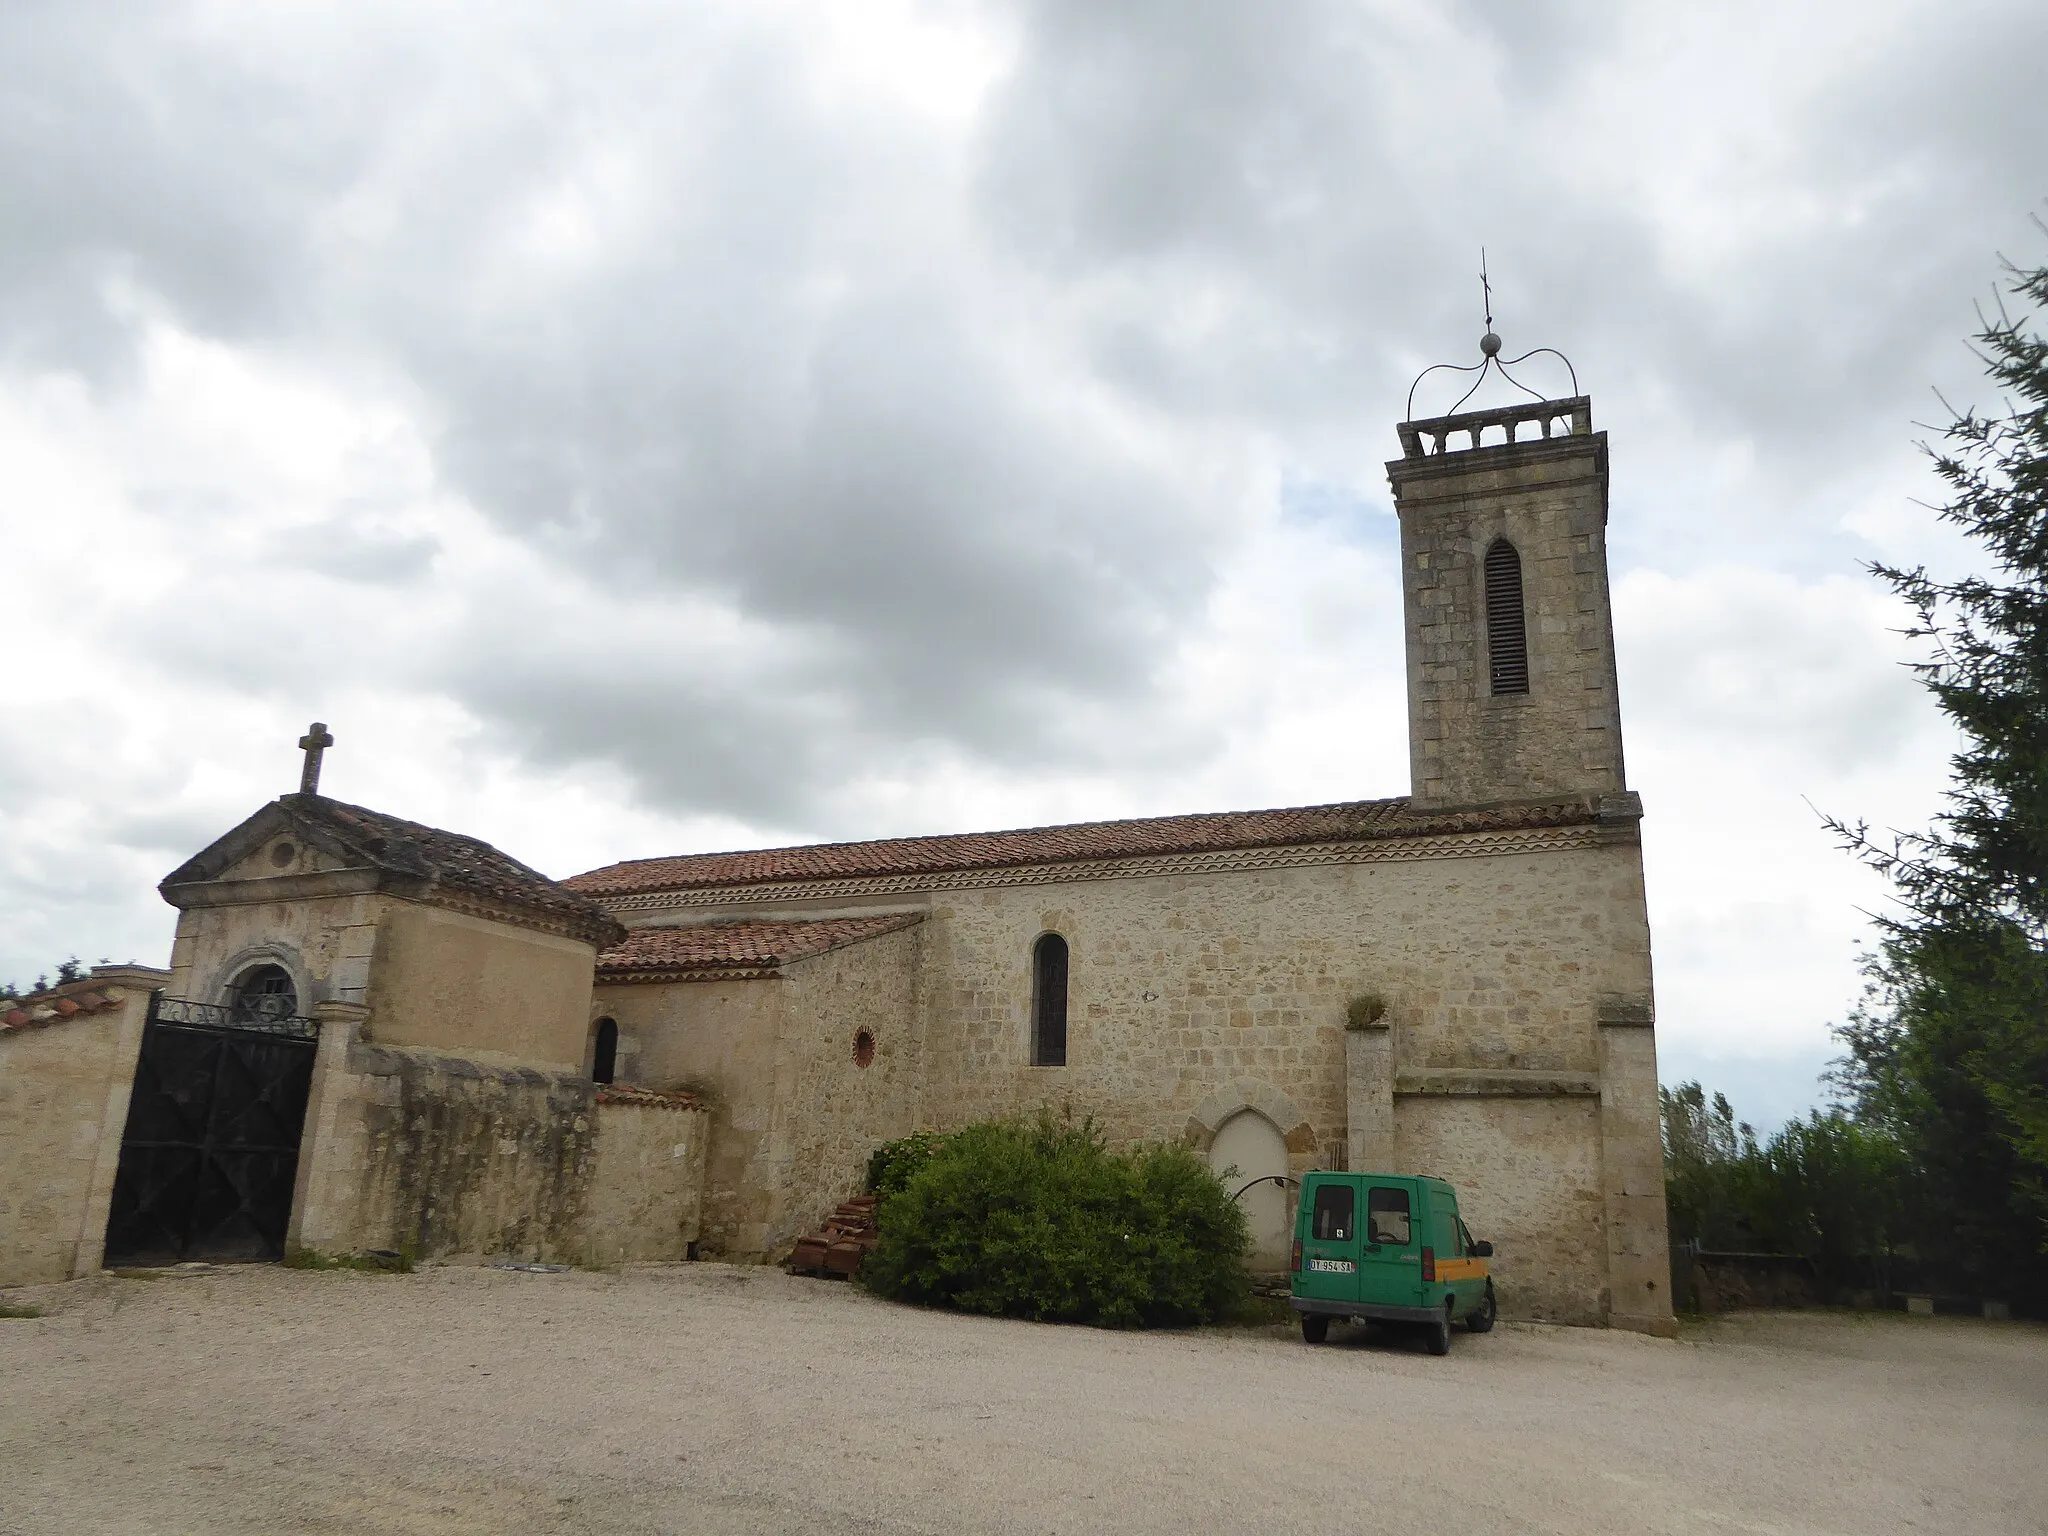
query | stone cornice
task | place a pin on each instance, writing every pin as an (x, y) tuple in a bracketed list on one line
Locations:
[(1467, 845), (592, 930), (1493, 1083), (637, 978)]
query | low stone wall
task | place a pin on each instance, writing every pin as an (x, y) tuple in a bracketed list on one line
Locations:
[(646, 1199), (67, 1060), (438, 1156)]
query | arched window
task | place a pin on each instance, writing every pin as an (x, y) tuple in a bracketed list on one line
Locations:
[(604, 1057), (264, 992), (1507, 631), (1049, 1002)]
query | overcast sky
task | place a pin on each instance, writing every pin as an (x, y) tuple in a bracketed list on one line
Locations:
[(640, 428)]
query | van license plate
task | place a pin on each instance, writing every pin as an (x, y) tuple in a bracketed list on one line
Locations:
[(1332, 1266)]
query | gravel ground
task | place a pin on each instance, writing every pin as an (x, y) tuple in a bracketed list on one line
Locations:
[(709, 1398)]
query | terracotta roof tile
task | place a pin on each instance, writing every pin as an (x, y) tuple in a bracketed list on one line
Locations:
[(1348, 821), (723, 948), (55, 1005), (652, 1098), (437, 860)]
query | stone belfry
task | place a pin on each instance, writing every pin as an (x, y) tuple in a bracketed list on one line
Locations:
[(1511, 684)]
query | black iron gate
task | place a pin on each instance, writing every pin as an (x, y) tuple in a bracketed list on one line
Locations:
[(211, 1147)]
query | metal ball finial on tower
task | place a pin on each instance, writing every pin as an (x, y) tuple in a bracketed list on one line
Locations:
[(1490, 359)]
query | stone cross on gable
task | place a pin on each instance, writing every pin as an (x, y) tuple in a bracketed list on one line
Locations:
[(313, 743)]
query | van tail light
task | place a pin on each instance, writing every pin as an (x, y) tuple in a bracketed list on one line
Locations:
[(1297, 1255), (1429, 1266)]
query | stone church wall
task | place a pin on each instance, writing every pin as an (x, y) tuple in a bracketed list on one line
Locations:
[(793, 1117), (717, 1039), (1184, 988), (832, 1112)]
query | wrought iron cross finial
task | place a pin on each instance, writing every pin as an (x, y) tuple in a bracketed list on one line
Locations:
[(313, 743), (1486, 287)]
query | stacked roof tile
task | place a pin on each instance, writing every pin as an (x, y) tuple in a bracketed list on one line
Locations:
[(1348, 821)]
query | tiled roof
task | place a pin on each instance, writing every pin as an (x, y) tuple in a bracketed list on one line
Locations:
[(437, 861), (650, 1098), (1349, 821), (749, 947), (55, 1005)]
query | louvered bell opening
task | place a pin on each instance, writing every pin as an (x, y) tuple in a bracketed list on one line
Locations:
[(1507, 636)]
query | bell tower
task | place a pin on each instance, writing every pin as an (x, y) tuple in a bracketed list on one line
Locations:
[(1511, 684)]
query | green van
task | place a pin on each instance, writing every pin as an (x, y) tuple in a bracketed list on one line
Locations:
[(1387, 1247)]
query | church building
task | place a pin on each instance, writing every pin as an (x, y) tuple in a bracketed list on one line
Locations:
[(411, 1043)]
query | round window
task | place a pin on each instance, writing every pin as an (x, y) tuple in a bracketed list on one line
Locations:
[(864, 1048), (282, 853)]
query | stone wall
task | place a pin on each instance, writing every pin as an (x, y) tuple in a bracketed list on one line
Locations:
[(64, 1081), (439, 1156), (793, 1118), (719, 1040), (454, 982), (1466, 745), (327, 943), (647, 1186), (831, 1112), (1510, 974), (436, 978)]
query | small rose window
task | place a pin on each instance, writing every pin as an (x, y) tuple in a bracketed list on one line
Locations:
[(864, 1048)]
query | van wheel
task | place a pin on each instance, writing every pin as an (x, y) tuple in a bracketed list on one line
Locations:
[(1314, 1329), (1438, 1334), (1480, 1318)]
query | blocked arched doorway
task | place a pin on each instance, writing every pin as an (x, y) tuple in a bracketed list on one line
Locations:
[(1253, 1145)]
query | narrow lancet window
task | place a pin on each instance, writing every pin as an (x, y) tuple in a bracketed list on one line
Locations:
[(1507, 633), (604, 1058), (1049, 1002)]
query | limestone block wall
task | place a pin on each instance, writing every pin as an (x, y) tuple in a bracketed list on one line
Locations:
[(719, 1040), (645, 1204), (1466, 745), (436, 978), (1187, 991), (793, 1117), (831, 1111), (439, 1156), (64, 1082), (1528, 1175), (454, 982), (327, 943), (445, 1157)]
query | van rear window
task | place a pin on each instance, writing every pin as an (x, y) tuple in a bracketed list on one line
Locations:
[(1335, 1209), (1386, 1216)]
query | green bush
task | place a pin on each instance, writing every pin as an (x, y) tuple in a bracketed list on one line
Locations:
[(1039, 1219), (892, 1163)]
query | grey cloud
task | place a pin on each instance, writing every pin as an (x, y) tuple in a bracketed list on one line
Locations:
[(973, 458)]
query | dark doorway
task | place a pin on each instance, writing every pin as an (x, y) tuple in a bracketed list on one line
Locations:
[(211, 1148)]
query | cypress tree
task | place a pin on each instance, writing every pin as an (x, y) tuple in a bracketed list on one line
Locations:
[(1950, 1050)]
